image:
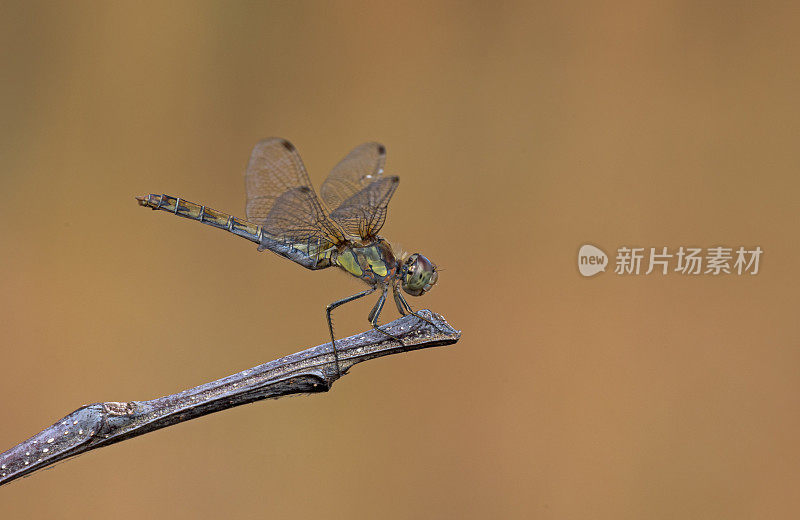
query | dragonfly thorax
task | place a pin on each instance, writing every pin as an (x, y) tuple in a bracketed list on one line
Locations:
[(374, 263)]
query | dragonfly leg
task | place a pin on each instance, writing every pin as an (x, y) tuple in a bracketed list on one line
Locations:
[(406, 309), (376, 310), (375, 313), (330, 323), (402, 304)]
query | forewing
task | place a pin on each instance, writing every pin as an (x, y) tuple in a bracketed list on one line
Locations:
[(364, 213), (360, 168), (280, 197)]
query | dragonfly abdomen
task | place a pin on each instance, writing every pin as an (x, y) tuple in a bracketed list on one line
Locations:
[(309, 254), (218, 219)]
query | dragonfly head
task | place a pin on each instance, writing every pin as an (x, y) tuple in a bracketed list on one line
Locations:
[(418, 275)]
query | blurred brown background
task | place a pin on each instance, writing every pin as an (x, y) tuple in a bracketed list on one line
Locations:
[(520, 132)]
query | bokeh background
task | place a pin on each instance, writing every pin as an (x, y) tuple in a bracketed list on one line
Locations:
[(520, 132)]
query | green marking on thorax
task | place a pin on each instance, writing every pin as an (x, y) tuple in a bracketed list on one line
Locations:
[(364, 262), (347, 260), (375, 261)]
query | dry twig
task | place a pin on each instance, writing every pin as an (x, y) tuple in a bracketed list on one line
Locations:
[(312, 370)]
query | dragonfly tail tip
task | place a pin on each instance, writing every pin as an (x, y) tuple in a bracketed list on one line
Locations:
[(144, 200)]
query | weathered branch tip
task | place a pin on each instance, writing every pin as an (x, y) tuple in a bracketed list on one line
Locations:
[(308, 371)]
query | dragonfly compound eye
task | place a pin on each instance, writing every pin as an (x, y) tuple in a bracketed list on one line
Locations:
[(419, 275)]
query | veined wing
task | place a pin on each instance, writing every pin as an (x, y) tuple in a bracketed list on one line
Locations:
[(364, 213), (280, 198), (357, 191), (356, 171)]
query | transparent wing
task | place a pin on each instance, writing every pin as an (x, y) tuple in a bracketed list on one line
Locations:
[(280, 198), (358, 192), (364, 213), (360, 168)]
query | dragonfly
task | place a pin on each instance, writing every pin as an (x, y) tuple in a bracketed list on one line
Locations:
[(285, 216)]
